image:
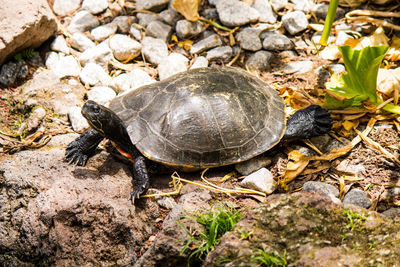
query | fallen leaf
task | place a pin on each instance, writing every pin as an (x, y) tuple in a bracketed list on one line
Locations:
[(388, 81), (188, 8)]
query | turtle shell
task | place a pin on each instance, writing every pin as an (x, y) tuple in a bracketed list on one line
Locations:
[(204, 117)]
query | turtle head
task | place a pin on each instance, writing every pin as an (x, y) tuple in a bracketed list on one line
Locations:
[(100, 118)]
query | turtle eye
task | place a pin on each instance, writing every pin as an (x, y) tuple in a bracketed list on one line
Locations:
[(96, 109)]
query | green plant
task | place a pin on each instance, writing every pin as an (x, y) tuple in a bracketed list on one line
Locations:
[(27, 53), (358, 86), (244, 235), (330, 17), (216, 223), (272, 258), (354, 220)]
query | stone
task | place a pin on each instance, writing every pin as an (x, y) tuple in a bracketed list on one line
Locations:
[(11, 71), (24, 24), (357, 197), (171, 65), (155, 50), (303, 5), (321, 10), (316, 37), (205, 44), (101, 94), (234, 13), (124, 23), (124, 48), (295, 22), (82, 21), (341, 38), (99, 54), (297, 67), (102, 32), (60, 45), (94, 6), (169, 16), (261, 180), (223, 53), (264, 8), (159, 30), (278, 4), (200, 62), (275, 41), (186, 29), (145, 19), (93, 74), (153, 5), (391, 213), (210, 13), (78, 122), (64, 7), (59, 210), (121, 83), (135, 32), (252, 165), (66, 66), (260, 60), (81, 42), (139, 78), (249, 40), (320, 187)]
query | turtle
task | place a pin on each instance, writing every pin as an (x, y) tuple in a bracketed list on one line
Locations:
[(201, 118)]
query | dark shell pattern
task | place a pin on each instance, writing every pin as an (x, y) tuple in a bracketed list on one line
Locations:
[(202, 118)]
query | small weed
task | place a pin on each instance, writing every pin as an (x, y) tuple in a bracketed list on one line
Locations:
[(269, 258), (245, 235), (216, 224), (27, 53), (371, 245), (354, 220), (369, 187)]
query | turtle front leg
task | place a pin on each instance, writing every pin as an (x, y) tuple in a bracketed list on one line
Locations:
[(83, 147), (141, 176)]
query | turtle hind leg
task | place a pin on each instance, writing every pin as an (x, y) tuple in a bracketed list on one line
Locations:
[(83, 147), (309, 122)]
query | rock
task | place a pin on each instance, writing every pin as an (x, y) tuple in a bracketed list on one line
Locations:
[(82, 21), (320, 187), (210, 13), (316, 37), (321, 10), (101, 94), (391, 213), (278, 4), (357, 197), (145, 19), (59, 210), (153, 5), (93, 73), (124, 48), (205, 44), (12, 71), (303, 5), (80, 42), (100, 54), (223, 53), (261, 180), (298, 67), (169, 243), (78, 122), (138, 78), (66, 66), (249, 40), (64, 7), (171, 65), (95, 6), (155, 50), (200, 63), (186, 29), (310, 230), (121, 83), (260, 60), (341, 38), (60, 45), (135, 32), (124, 23), (265, 10), (295, 22), (249, 166), (102, 32), (24, 24), (275, 41), (234, 13), (169, 16), (159, 30)]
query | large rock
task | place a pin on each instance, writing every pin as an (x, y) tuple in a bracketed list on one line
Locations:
[(55, 214), (23, 24), (312, 231)]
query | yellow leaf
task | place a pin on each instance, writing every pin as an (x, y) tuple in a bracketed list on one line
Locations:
[(297, 163), (187, 44), (375, 39), (388, 81), (188, 8), (174, 38)]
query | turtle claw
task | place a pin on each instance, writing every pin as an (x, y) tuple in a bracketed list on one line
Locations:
[(75, 156), (138, 192)]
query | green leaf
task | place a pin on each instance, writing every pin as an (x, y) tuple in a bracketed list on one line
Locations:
[(359, 84)]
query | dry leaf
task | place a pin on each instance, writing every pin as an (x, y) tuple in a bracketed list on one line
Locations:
[(188, 8), (375, 39), (388, 81), (295, 166)]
